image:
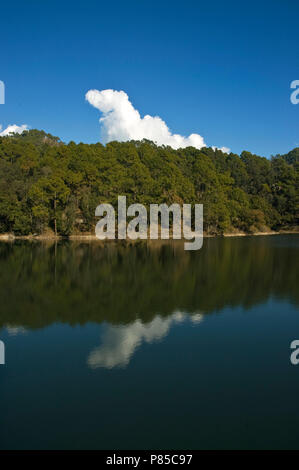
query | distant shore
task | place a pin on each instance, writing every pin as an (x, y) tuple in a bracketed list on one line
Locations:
[(5, 237)]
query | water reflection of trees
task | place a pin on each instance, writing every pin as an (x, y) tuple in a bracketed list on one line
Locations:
[(82, 282)]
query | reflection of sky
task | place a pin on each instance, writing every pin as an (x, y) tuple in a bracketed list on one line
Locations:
[(15, 330), (120, 342)]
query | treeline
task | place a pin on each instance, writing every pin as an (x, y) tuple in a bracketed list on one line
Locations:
[(46, 185)]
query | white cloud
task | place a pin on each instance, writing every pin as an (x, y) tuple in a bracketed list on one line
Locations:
[(13, 129), (223, 149), (122, 122)]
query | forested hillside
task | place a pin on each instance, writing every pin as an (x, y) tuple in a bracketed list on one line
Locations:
[(48, 185)]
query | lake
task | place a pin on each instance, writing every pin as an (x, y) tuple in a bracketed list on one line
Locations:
[(110, 346)]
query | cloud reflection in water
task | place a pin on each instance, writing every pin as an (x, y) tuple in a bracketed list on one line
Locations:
[(121, 341)]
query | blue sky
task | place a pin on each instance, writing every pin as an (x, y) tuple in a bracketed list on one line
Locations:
[(219, 69)]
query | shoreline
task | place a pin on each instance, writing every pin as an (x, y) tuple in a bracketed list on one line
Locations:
[(8, 237)]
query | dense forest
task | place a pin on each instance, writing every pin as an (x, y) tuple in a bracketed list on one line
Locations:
[(48, 186)]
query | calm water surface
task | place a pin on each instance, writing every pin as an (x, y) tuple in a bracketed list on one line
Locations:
[(149, 346)]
